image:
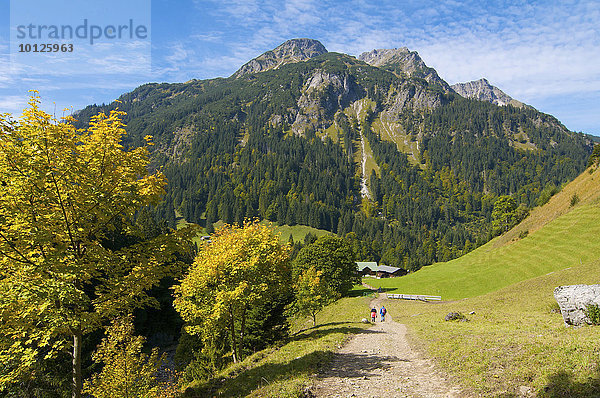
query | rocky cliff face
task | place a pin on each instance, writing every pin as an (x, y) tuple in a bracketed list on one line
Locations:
[(324, 94), (482, 90), (404, 63), (294, 50)]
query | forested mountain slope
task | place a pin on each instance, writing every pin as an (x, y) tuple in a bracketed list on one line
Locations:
[(292, 144)]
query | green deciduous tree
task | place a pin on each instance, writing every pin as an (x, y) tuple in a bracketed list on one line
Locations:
[(506, 214), (313, 293), (243, 267), (595, 156), (61, 192), (334, 258), (503, 215)]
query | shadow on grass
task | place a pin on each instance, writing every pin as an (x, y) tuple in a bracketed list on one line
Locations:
[(319, 331), (563, 385), (247, 380), (250, 379), (349, 365)]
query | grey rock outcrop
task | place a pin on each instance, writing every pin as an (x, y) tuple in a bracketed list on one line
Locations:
[(404, 63), (573, 301), (294, 50), (482, 90), (322, 95), (407, 95)]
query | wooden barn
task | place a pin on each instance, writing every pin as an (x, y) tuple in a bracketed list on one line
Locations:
[(371, 268)]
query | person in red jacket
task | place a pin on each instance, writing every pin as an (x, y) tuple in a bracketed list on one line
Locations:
[(373, 315)]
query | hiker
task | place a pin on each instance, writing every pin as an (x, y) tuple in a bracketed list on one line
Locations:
[(373, 315), (382, 312)]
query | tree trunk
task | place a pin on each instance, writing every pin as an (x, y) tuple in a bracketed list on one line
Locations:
[(314, 314), (242, 329), (77, 379), (232, 330)]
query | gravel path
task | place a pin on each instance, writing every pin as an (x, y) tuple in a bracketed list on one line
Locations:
[(379, 362)]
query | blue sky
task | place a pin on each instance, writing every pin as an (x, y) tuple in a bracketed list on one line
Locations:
[(544, 53)]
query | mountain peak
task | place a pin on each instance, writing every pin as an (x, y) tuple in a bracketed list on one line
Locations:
[(387, 56), (482, 90), (403, 62), (293, 50)]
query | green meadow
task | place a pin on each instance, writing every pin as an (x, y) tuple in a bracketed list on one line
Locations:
[(514, 342), (298, 232), (565, 242)]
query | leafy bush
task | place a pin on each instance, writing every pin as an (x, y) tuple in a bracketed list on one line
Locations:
[(127, 371), (549, 191), (574, 199), (595, 157), (455, 316), (506, 214), (592, 311), (554, 308)]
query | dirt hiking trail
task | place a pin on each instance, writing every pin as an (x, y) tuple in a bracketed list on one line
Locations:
[(379, 362)]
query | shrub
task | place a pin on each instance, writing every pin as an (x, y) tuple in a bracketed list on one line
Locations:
[(127, 371), (574, 199), (549, 191), (592, 311), (595, 157), (455, 316), (554, 308)]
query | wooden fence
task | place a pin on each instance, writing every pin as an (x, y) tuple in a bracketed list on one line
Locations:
[(421, 297)]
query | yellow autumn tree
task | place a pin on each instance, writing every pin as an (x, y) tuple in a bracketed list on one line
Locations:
[(244, 266), (127, 372), (61, 190)]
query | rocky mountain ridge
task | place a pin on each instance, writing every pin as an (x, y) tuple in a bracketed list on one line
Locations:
[(482, 90), (404, 63), (294, 50)]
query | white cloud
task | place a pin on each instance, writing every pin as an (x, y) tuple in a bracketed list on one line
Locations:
[(532, 56), (13, 104), (213, 37)]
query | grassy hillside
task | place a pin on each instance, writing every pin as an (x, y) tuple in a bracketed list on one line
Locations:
[(392, 131), (298, 232), (569, 237), (514, 342)]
